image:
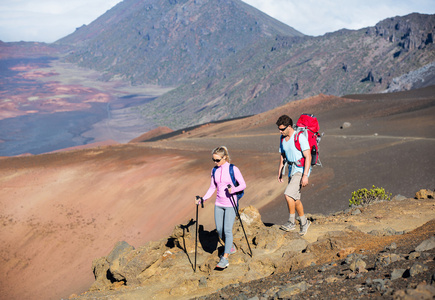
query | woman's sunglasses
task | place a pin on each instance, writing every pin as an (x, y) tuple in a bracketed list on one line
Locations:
[(216, 160)]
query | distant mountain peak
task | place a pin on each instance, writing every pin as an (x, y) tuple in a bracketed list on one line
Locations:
[(168, 42)]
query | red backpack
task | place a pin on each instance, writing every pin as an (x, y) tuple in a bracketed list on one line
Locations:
[(308, 125)]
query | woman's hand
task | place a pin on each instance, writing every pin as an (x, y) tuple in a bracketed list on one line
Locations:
[(229, 189), (198, 200)]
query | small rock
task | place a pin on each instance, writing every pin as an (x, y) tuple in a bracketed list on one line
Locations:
[(422, 291), (358, 264), (345, 252), (426, 245), (345, 125), (385, 232), (292, 289), (356, 212), (352, 228), (379, 284), (241, 297), (393, 246), (327, 267), (385, 259), (414, 255), (203, 282), (352, 257), (399, 198), (390, 231), (417, 269), (119, 249), (397, 273), (332, 279)]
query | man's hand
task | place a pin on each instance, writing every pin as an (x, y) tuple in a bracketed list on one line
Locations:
[(307, 155), (304, 180)]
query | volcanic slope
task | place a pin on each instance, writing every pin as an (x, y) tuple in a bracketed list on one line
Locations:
[(389, 134), (169, 42), (62, 210)]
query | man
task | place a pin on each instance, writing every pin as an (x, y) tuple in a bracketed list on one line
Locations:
[(298, 172)]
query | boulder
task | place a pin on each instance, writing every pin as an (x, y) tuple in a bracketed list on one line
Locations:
[(128, 267), (424, 194)]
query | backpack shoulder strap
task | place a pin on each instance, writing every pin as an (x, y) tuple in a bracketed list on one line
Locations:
[(236, 183), (297, 143), (233, 178), (213, 172), (280, 143)]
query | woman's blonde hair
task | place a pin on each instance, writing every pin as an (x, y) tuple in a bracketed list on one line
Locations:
[(222, 151)]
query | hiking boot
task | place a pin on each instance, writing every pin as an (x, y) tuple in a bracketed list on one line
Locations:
[(288, 226), (304, 228), (223, 263)]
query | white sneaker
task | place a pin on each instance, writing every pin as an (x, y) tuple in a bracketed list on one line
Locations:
[(304, 228), (223, 263), (288, 226)]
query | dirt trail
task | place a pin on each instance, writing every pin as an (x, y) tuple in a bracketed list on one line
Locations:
[(72, 207)]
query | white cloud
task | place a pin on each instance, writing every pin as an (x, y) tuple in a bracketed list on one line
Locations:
[(316, 17), (49, 20)]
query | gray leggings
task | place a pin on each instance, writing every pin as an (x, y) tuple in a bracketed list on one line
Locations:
[(224, 219)]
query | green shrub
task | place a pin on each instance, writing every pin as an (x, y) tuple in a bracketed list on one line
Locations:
[(366, 197)]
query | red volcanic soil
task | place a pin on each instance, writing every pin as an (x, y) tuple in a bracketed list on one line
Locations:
[(49, 98), (59, 211), (48, 105), (87, 146), (27, 50), (152, 134)]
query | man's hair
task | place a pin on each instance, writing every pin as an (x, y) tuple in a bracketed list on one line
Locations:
[(284, 120)]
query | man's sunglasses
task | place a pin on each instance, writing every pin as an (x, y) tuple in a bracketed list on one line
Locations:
[(282, 129)]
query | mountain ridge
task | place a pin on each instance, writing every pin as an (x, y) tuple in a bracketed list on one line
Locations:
[(396, 54), (169, 42), (290, 68)]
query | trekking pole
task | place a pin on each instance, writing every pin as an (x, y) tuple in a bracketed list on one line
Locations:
[(196, 231), (238, 215)]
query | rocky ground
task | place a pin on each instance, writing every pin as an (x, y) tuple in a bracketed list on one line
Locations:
[(60, 211), (402, 270), (384, 250)]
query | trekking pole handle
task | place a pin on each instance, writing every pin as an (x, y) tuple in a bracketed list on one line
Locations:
[(201, 200)]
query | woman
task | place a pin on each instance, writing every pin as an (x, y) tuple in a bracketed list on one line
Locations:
[(224, 212)]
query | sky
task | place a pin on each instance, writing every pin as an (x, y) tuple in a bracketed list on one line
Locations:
[(50, 20)]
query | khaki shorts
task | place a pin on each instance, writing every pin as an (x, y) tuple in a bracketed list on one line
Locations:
[(293, 188)]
